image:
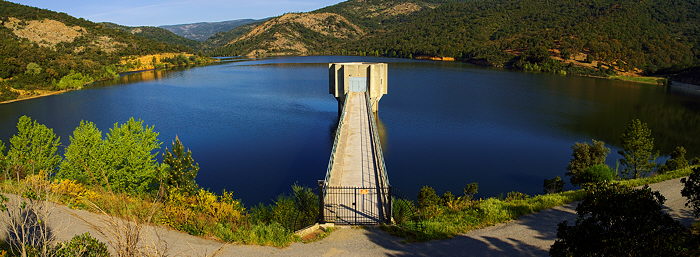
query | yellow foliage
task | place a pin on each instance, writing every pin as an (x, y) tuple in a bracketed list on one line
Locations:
[(202, 207), (37, 180), (73, 189), (146, 62)]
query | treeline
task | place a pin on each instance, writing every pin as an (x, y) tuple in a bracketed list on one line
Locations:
[(650, 35), (119, 173), (600, 37), (94, 55)]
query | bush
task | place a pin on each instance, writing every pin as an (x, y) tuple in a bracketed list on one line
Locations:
[(585, 155), (74, 80), (427, 197), (597, 173), (554, 185), (470, 190), (82, 245), (616, 220), (513, 196), (403, 211), (677, 160), (691, 190)]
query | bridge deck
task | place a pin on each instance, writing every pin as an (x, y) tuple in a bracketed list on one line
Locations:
[(354, 166)]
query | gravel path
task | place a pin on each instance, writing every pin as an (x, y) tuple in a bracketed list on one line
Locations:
[(530, 235)]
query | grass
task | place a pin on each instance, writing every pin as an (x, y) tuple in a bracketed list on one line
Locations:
[(204, 214), (642, 79), (446, 221)]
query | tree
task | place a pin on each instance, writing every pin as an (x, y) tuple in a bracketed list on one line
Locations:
[(617, 220), (554, 185), (585, 155), (181, 169), (427, 197), (33, 69), (470, 190), (130, 157), (691, 190), (637, 149), (85, 156), (32, 149), (677, 160)]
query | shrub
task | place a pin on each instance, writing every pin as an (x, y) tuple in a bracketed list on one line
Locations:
[(597, 173), (677, 160), (512, 196), (554, 185), (403, 211), (691, 190), (427, 197), (616, 220), (470, 190), (585, 155), (74, 80), (82, 245)]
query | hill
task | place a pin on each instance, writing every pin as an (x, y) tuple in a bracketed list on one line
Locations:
[(201, 31), (596, 37), (156, 34), (43, 51)]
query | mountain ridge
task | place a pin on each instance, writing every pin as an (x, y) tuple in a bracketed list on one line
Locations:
[(201, 31)]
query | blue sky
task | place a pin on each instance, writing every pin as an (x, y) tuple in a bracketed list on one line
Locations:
[(164, 12)]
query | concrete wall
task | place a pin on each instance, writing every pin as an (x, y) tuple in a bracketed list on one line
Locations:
[(376, 74)]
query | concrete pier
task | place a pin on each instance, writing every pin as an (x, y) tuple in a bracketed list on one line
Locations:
[(356, 190)]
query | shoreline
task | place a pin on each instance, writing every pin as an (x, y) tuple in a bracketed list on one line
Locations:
[(36, 96)]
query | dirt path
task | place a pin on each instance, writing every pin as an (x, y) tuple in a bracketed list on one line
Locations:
[(530, 235)]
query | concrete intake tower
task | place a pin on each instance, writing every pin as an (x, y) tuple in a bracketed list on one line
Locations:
[(358, 77)]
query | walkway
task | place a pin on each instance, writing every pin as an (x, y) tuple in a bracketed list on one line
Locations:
[(353, 184), (530, 235)]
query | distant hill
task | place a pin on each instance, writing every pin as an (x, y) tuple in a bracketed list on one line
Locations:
[(155, 33), (597, 37), (203, 30), (42, 50)]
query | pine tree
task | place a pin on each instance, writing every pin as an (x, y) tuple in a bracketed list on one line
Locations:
[(32, 149), (637, 149), (677, 160), (181, 169)]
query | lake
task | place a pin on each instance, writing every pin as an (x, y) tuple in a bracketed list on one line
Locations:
[(257, 127)]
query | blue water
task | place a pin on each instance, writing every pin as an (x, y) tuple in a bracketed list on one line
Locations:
[(256, 127)]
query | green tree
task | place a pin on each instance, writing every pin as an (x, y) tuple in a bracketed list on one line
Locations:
[(33, 69), (691, 190), (130, 157), (554, 185), (677, 160), (616, 220), (637, 149), (427, 197), (181, 169), (74, 80), (32, 149), (585, 155), (470, 190), (85, 156)]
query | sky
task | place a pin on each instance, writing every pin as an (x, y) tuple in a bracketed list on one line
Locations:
[(167, 12)]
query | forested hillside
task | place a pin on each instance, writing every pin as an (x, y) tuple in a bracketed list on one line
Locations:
[(597, 37), (42, 50), (156, 34), (202, 31)]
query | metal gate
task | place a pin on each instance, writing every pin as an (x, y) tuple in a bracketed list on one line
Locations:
[(358, 84), (355, 205)]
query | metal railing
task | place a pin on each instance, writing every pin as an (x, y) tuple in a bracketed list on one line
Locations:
[(341, 121), (384, 186)]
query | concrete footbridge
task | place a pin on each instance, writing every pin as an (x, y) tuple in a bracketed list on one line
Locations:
[(356, 189)]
